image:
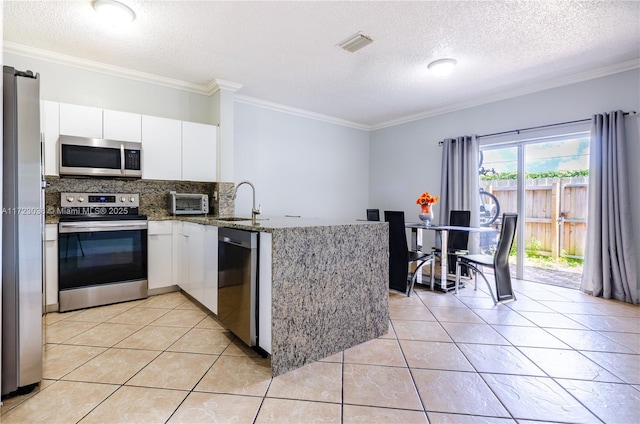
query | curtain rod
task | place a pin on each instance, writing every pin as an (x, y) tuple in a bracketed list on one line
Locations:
[(517, 131)]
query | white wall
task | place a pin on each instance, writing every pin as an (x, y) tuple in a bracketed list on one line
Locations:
[(300, 166), (66, 84), (394, 184)]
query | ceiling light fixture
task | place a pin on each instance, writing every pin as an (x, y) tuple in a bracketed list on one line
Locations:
[(114, 11), (355, 42), (442, 67)]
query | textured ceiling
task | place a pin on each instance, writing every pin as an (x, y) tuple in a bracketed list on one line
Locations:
[(285, 52)]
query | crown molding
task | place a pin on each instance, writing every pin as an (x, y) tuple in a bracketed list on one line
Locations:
[(509, 94), (117, 71), (299, 112), (216, 84)]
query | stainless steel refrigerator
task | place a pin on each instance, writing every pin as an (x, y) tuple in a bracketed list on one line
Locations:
[(22, 229)]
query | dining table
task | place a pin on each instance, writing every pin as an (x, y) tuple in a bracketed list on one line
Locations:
[(444, 238)]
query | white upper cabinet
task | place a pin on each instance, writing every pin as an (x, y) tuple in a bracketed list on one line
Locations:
[(199, 152), (80, 121), (161, 148), (50, 127), (92, 122), (122, 126), (171, 149)]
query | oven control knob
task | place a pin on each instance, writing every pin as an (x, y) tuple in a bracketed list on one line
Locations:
[(81, 199), (132, 199), (123, 199), (69, 198)]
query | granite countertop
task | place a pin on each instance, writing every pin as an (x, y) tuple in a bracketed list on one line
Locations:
[(264, 224), (269, 224)]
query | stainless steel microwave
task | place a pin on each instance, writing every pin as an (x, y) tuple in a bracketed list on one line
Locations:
[(188, 204), (99, 157)]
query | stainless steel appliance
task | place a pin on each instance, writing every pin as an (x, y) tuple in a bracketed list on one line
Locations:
[(188, 204), (99, 157), (237, 280), (22, 227), (102, 250)]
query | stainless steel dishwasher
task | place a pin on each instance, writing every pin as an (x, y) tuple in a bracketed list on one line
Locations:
[(237, 277)]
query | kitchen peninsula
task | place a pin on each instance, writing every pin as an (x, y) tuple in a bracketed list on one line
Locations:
[(329, 285), (328, 279)]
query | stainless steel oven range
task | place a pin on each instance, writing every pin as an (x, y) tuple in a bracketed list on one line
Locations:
[(102, 250)]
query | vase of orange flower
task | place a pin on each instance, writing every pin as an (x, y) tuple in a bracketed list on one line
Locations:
[(425, 201)]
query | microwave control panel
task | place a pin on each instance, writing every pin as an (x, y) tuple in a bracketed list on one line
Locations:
[(132, 159)]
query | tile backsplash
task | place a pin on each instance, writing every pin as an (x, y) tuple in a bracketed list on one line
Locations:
[(153, 193)]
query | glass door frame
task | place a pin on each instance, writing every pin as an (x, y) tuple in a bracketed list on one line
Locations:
[(520, 145)]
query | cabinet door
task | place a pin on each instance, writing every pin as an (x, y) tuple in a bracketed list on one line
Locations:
[(196, 261), (51, 129), (210, 259), (180, 260), (199, 152), (161, 148), (81, 121), (160, 254), (122, 126), (51, 266)]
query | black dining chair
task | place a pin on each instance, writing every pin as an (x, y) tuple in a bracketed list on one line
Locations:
[(373, 214), (400, 256), (499, 262), (458, 241)]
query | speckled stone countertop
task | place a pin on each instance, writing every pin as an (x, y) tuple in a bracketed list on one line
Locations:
[(330, 278), (269, 224), (329, 285), (330, 290)]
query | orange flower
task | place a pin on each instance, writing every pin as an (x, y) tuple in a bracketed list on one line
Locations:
[(427, 199)]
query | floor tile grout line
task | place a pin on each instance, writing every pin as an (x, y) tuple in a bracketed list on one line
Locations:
[(136, 373), (413, 380), (467, 305), (517, 348)]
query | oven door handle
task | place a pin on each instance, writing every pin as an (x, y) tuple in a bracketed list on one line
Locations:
[(98, 226)]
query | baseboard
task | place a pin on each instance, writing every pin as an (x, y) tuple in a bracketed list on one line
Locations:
[(162, 290), (54, 307)]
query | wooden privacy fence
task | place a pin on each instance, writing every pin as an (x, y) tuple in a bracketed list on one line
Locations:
[(556, 213)]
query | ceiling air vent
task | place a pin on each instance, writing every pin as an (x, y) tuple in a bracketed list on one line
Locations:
[(355, 42)]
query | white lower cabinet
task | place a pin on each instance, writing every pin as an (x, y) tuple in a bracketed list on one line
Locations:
[(195, 262), (210, 262), (160, 254), (180, 272), (51, 267)]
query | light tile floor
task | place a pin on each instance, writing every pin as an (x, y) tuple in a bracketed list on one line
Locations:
[(554, 355)]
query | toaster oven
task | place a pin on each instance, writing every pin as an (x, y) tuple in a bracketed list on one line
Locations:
[(188, 204)]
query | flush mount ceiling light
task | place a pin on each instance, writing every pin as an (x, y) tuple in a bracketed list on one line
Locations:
[(442, 67), (355, 42), (114, 11)]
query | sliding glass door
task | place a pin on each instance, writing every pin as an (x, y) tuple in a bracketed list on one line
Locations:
[(546, 182)]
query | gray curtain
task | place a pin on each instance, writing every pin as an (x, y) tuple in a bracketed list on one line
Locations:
[(610, 258), (460, 185)]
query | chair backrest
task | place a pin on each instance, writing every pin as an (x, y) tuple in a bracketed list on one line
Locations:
[(459, 239), (501, 256), (373, 214), (398, 250)]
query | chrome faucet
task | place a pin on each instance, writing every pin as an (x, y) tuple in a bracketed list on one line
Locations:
[(254, 211)]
